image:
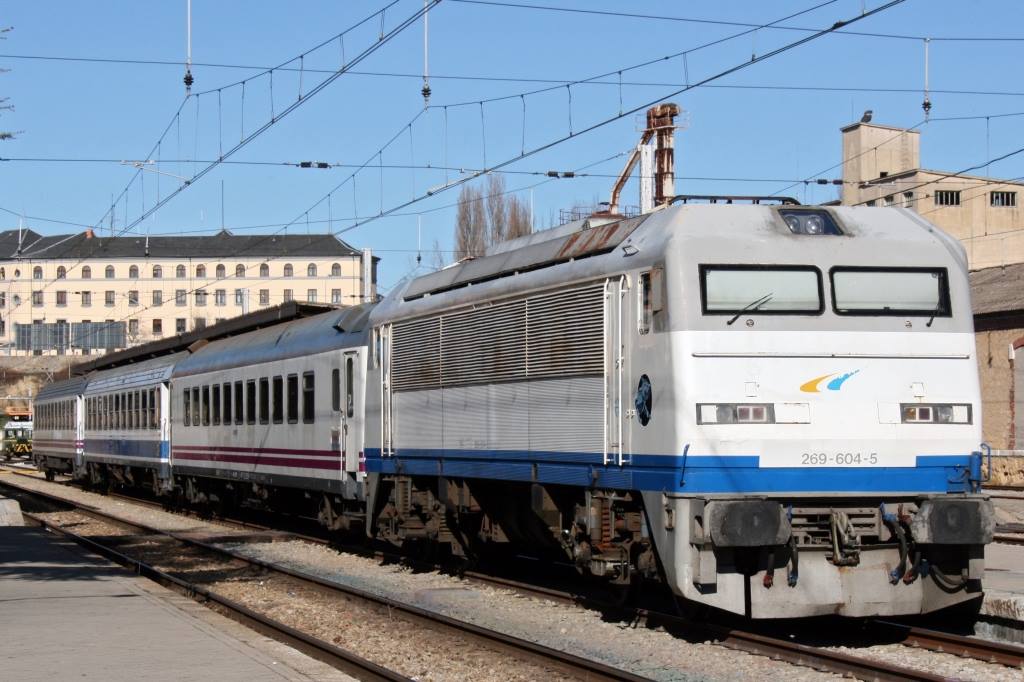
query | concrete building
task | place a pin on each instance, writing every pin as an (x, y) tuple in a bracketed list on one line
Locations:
[(81, 294), (882, 167)]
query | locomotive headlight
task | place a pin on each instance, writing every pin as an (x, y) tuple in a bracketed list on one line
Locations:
[(813, 224), (935, 413), (735, 413), (809, 222)]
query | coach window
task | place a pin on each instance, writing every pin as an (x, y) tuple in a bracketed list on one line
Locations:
[(760, 290), (336, 390), (216, 404), (239, 403), (350, 403), (154, 408), (144, 413), (293, 398), (197, 410), (308, 397), (132, 410), (117, 412), (227, 403), (139, 414), (278, 400), (264, 400), (250, 401), (186, 407), (206, 405)]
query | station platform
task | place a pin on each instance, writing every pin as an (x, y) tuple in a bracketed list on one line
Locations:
[(1004, 563), (65, 613)]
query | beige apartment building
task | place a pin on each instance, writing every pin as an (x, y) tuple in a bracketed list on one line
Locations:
[(83, 294), (882, 167)]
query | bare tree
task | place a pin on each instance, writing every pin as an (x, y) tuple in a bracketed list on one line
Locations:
[(483, 220), (470, 224), (519, 224), (437, 259), (497, 209)]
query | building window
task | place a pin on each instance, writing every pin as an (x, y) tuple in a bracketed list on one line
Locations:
[(37, 298), (264, 270), (200, 271), (179, 272), (133, 327), (336, 270), (86, 299), (158, 272), (158, 298), (158, 327), (946, 197), (179, 297), (220, 297), (108, 299), (311, 270), (888, 200), (109, 272), (62, 272), (201, 297), (311, 295), (37, 272), (908, 199), (288, 270), (1003, 199), (287, 295), (239, 270), (133, 297), (62, 298), (221, 272), (133, 272), (336, 296), (179, 325), (3, 300), (86, 272), (869, 203), (3, 273), (199, 323), (264, 296), (239, 296)]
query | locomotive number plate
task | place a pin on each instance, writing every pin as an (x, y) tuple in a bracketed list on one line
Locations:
[(839, 459)]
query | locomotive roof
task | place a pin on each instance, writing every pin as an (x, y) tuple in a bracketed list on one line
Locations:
[(329, 331), (690, 234), (62, 389)]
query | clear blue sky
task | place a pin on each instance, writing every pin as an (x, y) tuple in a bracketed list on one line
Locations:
[(86, 110)]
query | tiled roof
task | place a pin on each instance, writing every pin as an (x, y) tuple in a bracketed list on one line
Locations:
[(221, 245)]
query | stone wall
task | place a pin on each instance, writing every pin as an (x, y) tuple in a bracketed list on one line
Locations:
[(21, 377), (996, 374)]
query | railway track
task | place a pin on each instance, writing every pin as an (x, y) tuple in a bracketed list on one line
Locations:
[(566, 663), (779, 649)]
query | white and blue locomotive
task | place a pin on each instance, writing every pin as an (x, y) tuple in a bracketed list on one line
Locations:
[(706, 395)]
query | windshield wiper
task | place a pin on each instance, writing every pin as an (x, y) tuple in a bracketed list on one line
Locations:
[(938, 309), (753, 305)]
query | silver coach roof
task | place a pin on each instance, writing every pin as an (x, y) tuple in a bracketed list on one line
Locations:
[(317, 334), (146, 373), (62, 389)]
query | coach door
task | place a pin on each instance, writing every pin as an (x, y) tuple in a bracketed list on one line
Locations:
[(351, 411)]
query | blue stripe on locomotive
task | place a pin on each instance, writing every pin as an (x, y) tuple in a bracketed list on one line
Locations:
[(666, 473)]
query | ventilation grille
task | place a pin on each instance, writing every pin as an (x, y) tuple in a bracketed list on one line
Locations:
[(547, 336)]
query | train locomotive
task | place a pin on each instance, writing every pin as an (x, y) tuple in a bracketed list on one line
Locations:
[(774, 410)]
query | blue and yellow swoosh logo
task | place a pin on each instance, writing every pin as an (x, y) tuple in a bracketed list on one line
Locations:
[(835, 382)]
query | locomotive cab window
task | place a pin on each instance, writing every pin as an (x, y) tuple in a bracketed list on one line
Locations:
[(761, 290), (890, 291)]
